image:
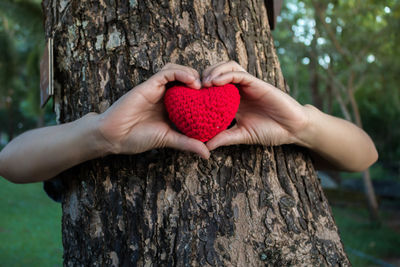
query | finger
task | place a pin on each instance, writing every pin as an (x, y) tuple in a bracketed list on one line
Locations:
[(170, 75), (207, 71), (238, 77), (182, 142), (221, 69), (232, 136), (253, 88), (181, 67), (154, 88)]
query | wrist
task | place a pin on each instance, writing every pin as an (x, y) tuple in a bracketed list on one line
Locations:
[(307, 136), (97, 143)]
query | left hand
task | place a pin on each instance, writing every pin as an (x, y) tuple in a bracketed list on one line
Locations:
[(266, 115), (138, 122)]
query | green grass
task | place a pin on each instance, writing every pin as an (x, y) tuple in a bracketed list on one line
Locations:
[(358, 233), (30, 226), (30, 229)]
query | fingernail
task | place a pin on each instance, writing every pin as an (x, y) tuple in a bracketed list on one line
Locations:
[(205, 156)]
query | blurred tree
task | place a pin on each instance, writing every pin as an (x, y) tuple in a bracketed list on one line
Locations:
[(367, 34), (21, 43), (350, 40)]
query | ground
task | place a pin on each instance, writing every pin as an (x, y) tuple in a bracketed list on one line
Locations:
[(30, 230), (30, 226)]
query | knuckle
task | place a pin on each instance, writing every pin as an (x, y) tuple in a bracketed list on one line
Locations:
[(207, 69), (214, 71), (233, 62), (162, 72), (162, 75), (193, 70), (236, 65), (168, 65)]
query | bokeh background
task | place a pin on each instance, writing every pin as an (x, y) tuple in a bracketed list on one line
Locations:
[(342, 56)]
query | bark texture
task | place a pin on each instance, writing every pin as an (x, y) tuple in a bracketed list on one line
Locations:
[(246, 206)]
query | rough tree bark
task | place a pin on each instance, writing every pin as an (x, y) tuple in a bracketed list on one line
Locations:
[(246, 206)]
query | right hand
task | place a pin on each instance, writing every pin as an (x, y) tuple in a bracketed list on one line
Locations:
[(266, 115), (138, 121)]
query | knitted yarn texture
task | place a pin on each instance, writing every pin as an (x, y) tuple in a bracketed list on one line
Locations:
[(203, 113)]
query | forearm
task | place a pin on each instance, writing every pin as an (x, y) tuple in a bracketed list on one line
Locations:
[(341, 144), (41, 154)]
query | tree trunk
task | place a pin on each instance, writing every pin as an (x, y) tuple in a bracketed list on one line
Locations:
[(40, 119), (246, 206), (316, 97), (368, 186), (11, 125)]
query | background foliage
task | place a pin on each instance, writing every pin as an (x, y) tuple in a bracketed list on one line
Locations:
[(21, 46), (328, 48)]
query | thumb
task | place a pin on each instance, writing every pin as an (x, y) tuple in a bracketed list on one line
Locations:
[(182, 142), (232, 136)]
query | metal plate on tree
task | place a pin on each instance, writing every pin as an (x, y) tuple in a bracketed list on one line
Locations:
[(46, 73), (273, 11)]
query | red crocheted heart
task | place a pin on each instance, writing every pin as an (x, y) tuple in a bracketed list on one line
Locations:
[(203, 113)]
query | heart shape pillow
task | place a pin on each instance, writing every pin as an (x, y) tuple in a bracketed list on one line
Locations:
[(203, 113)]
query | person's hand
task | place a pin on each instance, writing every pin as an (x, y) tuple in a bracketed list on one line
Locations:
[(138, 122), (266, 115)]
